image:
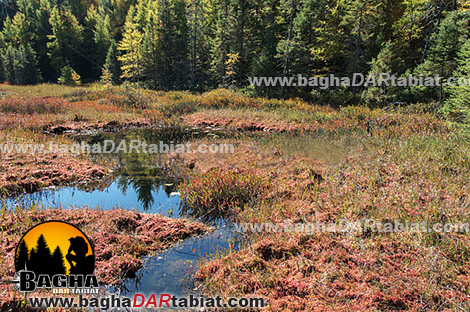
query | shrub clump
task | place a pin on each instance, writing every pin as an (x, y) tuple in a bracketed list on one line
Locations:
[(33, 105), (220, 191)]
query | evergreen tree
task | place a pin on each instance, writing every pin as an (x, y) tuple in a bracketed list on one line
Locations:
[(152, 48), (285, 44), (177, 61), (27, 67), (43, 29), (22, 257), (9, 61), (65, 40), (40, 257), (69, 77), (131, 46), (457, 106), (110, 73), (266, 62), (22, 30), (441, 57), (386, 62), (57, 264), (220, 42), (2, 70), (199, 48), (201, 44), (20, 65), (102, 39)]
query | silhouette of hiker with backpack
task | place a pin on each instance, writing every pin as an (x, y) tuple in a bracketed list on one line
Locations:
[(79, 262)]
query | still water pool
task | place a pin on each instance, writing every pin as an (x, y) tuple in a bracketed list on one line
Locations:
[(142, 185)]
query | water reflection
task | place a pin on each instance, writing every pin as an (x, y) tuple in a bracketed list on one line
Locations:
[(145, 183)]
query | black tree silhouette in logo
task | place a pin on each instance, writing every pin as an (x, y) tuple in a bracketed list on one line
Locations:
[(22, 257), (79, 262), (57, 264), (39, 259)]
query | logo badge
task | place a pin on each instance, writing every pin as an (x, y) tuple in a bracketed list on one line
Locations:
[(54, 254)]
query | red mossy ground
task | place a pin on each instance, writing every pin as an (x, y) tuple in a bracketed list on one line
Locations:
[(339, 121), (240, 123), (350, 271), (119, 237), (409, 166), (30, 172)]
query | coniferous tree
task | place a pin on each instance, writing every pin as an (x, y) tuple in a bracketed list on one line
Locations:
[(111, 72), (152, 48), (43, 29), (40, 257), (131, 47), (102, 39), (220, 41), (8, 61), (441, 57), (57, 265), (199, 50), (457, 106), (201, 44), (266, 63), (65, 39), (2, 71), (20, 65), (69, 77), (285, 44), (177, 57), (22, 257), (386, 63), (27, 67)]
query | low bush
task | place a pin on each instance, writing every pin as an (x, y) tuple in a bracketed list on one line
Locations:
[(34, 105), (209, 195)]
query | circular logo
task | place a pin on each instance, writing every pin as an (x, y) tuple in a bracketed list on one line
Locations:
[(55, 248)]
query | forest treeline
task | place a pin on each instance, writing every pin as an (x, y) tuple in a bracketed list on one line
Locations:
[(204, 44)]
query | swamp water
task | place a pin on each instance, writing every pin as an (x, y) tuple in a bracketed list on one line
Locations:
[(142, 184)]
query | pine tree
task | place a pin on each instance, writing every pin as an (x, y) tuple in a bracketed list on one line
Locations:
[(65, 40), (386, 62), (457, 106), (441, 57), (102, 39), (110, 73), (57, 264), (40, 257), (152, 48), (131, 46), (69, 77), (22, 257)]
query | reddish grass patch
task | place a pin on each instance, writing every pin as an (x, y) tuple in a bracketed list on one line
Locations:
[(30, 172), (32, 106), (119, 237)]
